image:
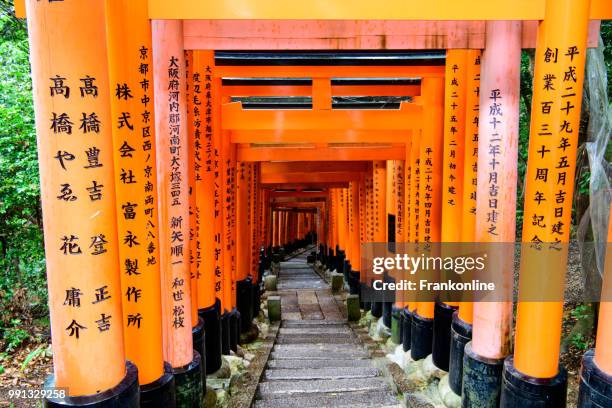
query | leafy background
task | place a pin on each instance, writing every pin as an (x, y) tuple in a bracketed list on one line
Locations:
[(23, 291)]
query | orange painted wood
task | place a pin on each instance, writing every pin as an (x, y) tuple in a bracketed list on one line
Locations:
[(470, 170), (496, 194), (194, 213), (312, 153), (415, 199), (307, 177), (454, 133), (173, 189), (353, 34), (336, 90), (406, 118), (311, 167), (347, 136), (243, 221), (137, 202), (430, 186), (329, 71), (80, 225), (361, 10), (538, 324), (207, 198)]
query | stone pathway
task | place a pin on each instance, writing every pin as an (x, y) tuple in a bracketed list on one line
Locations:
[(317, 361)]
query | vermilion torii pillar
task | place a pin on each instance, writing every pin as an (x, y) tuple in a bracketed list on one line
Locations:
[(244, 244), (430, 202), (390, 227), (414, 159), (354, 236), (173, 188), (195, 254), (596, 372), (131, 82), (408, 189), (399, 210), (461, 329), (230, 318), (379, 215), (74, 133), (452, 188), (495, 210), (557, 96), (206, 121)]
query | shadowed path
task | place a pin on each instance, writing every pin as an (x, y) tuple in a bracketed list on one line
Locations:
[(317, 361)]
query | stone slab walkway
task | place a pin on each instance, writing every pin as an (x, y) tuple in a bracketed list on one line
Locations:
[(317, 360)]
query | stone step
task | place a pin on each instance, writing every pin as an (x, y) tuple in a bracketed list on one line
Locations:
[(300, 285), (271, 389), (310, 323), (321, 373), (301, 364), (298, 274), (360, 399), (336, 339), (317, 347), (321, 354), (314, 331)]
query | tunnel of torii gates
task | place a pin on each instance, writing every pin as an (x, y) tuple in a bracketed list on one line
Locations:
[(171, 172)]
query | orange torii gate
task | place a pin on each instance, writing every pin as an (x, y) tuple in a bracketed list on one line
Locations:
[(205, 142)]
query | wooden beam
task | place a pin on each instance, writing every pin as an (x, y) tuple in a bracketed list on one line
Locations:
[(307, 177), (406, 118), (312, 153), (360, 10), (337, 90), (279, 196), (328, 71), (348, 34), (313, 167), (348, 135), (307, 185)]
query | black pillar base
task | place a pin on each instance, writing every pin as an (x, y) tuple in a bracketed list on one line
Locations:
[(354, 286), (481, 380), (188, 380), (443, 318), (387, 308), (400, 325), (125, 394), (346, 270), (396, 325), (406, 329), (377, 309), (421, 337), (367, 306), (520, 390), (160, 393), (198, 337), (256, 298), (234, 319), (461, 334), (595, 385), (244, 303), (225, 334), (212, 338)]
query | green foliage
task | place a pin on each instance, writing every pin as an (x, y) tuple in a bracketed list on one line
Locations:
[(582, 312), (14, 336), (579, 341), (22, 270)]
